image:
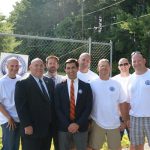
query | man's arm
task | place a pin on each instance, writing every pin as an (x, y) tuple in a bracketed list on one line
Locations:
[(58, 100), (87, 111), (11, 122), (124, 109), (21, 97)]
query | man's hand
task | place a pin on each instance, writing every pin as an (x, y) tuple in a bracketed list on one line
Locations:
[(122, 126), (73, 128), (128, 124), (28, 130), (11, 124)]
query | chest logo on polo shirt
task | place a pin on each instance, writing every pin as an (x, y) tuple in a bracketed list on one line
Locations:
[(147, 82), (112, 88)]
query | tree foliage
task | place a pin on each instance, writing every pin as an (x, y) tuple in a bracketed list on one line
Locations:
[(126, 23), (7, 43)]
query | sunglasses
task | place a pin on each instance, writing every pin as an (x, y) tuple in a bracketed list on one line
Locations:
[(125, 64)]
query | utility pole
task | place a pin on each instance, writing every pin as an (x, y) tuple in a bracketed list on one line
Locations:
[(82, 11)]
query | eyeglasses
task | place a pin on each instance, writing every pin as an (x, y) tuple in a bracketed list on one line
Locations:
[(136, 52), (124, 64)]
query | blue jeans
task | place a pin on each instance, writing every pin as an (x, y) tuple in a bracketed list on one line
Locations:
[(10, 138)]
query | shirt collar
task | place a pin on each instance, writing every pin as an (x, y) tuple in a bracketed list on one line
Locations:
[(75, 80), (37, 79)]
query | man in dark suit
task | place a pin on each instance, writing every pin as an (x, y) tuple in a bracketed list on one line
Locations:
[(33, 98), (73, 103)]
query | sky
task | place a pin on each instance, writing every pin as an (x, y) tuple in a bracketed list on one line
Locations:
[(6, 6)]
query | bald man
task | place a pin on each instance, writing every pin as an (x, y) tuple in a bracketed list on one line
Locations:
[(84, 73), (33, 97), (8, 116)]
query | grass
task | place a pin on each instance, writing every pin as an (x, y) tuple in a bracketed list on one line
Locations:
[(125, 142)]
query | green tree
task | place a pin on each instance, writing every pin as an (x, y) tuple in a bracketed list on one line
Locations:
[(7, 43)]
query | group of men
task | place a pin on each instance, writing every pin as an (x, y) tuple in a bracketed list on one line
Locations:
[(81, 110)]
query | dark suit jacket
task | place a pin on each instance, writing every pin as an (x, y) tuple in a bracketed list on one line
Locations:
[(32, 107), (82, 109)]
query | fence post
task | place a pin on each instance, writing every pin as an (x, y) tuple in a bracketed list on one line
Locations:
[(111, 53), (90, 44)]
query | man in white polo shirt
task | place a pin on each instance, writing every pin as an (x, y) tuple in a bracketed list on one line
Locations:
[(107, 96), (139, 99), (8, 116)]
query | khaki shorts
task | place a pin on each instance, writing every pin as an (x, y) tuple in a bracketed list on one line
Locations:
[(100, 135)]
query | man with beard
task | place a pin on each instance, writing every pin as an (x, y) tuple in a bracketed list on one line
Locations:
[(52, 64)]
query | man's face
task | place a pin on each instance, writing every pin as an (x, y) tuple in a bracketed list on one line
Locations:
[(71, 70), (138, 62), (52, 65), (84, 62), (37, 68), (124, 65), (13, 67), (104, 68)]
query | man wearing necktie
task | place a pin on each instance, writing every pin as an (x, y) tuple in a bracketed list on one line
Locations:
[(73, 103), (33, 98)]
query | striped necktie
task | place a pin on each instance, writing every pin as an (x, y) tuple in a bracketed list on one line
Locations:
[(72, 101)]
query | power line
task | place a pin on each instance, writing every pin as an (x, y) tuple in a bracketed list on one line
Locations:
[(115, 23), (104, 8)]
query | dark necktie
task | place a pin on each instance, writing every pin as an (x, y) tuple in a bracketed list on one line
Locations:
[(53, 78), (72, 101), (43, 89)]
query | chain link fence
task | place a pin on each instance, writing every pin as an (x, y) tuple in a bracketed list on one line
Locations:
[(36, 46)]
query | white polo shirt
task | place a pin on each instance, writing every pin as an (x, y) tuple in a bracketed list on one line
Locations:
[(7, 88), (123, 81), (139, 94), (88, 76), (107, 95)]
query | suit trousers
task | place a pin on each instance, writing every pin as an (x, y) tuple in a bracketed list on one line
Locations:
[(79, 139), (36, 143)]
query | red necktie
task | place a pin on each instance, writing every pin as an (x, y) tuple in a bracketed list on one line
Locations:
[(72, 101)]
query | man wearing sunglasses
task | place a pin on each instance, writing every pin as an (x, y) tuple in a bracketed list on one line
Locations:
[(123, 79), (139, 100)]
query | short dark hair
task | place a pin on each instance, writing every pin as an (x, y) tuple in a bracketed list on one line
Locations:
[(52, 57), (72, 60)]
